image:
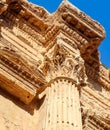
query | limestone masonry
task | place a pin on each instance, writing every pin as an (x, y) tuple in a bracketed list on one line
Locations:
[(51, 77)]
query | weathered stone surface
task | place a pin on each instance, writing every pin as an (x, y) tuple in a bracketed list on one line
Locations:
[(14, 115), (51, 62)]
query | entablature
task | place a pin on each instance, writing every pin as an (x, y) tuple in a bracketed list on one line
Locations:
[(94, 120), (72, 14), (33, 14), (20, 77), (84, 27), (95, 110)]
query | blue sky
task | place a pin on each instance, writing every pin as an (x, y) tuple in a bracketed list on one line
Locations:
[(97, 9)]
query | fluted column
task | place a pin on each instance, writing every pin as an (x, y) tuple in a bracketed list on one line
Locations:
[(62, 107)]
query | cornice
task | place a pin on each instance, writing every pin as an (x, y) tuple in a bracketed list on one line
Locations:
[(35, 10), (32, 13), (88, 32), (68, 7), (68, 18), (68, 12)]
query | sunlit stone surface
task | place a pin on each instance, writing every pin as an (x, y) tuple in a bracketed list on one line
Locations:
[(51, 77)]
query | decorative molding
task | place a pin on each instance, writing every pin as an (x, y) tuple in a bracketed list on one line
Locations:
[(67, 7), (95, 119), (13, 61), (100, 75)]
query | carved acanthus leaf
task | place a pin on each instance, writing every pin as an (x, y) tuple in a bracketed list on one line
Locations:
[(59, 62)]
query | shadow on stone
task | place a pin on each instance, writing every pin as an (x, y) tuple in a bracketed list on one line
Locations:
[(29, 108)]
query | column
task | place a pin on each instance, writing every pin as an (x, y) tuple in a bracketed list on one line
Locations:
[(62, 106)]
